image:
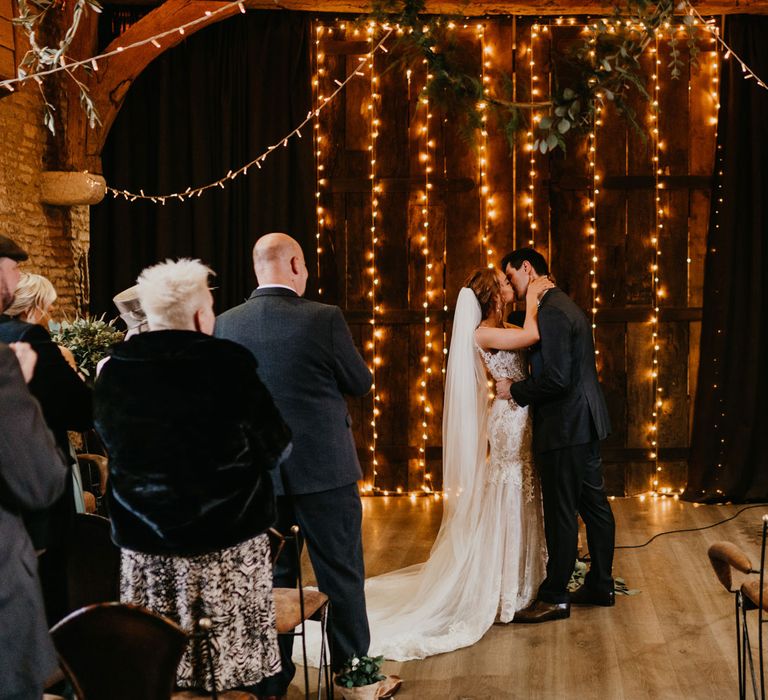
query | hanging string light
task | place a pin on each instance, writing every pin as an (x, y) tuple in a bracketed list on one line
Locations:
[(657, 291), (257, 162), (486, 199), (426, 157), (535, 118), (375, 289), (320, 179), (594, 191), (710, 25), (92, 63)]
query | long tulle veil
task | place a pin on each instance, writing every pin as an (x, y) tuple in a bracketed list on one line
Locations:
[(433, 607), (450, 600)]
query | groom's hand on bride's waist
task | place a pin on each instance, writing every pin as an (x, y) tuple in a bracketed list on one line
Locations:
[(502, 389)]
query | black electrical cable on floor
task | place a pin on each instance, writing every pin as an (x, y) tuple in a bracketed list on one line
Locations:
[(691, 529)]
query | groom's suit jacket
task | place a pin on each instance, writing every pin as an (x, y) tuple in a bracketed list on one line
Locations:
[(568, 405), (308, 361)]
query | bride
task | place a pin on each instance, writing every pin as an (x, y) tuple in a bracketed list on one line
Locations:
[(489, 556)]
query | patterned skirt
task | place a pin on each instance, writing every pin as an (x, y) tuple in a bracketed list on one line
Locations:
[(232, 587)]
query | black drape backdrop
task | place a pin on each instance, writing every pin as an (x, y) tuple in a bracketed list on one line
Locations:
[(729, 455), (207, 106)]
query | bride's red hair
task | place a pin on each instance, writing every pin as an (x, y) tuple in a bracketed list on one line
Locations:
[(485, 285)]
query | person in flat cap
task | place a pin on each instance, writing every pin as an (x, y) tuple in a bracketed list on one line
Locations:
[(11, 255), (67, 405)]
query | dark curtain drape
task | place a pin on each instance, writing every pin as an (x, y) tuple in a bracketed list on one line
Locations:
[(729, 459), (207, 106)]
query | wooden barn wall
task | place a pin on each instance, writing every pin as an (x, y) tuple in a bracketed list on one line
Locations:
[(624, 224)]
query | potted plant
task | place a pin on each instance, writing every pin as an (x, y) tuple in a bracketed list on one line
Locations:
[(360, 678), (89, 339)]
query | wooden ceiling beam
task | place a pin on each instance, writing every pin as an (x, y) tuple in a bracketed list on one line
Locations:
[(474, 8)]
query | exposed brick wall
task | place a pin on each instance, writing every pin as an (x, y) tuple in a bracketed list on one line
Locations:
[(56, 238)]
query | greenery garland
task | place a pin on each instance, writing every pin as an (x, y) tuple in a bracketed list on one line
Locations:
[(606, 66), (39, 58)]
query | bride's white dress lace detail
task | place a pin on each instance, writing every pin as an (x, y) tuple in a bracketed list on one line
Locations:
[(509, 430), (489, 557)]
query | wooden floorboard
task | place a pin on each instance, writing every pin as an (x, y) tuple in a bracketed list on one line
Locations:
[(674, 640)]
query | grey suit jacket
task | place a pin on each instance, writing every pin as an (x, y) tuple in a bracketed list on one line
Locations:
[(32, 476), (568, 404), (308, 361)]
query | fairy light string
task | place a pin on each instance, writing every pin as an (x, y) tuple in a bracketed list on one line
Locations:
[(257, 162), (320, 179), (92, 63), (483, 164), (656, 289), (710, 25), (426, 157), (535, 118), (594, 191), (375, 289)]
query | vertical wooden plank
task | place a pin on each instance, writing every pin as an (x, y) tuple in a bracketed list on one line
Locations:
[(462, 220), (500, 36)]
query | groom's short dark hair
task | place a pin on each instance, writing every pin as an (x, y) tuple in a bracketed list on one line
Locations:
[(517, 257)]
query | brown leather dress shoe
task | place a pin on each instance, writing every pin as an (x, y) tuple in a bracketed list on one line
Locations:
[(586, 596), (543, 612)]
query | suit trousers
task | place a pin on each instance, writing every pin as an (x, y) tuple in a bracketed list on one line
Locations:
[(331, 527), (572, 484)]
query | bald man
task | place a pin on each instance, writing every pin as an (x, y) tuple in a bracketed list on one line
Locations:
[(308, 361)]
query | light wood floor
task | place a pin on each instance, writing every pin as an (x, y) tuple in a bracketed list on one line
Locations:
[(673, 640)]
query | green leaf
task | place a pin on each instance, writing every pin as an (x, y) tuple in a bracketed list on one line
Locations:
[(568, 94), (545, 123), (551, 141), (563, 126)]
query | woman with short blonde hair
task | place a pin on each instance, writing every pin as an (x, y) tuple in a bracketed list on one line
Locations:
[(33, 298), (192, 434)]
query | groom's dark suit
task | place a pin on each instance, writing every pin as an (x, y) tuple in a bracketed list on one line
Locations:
[(308, 361), (569, 420)]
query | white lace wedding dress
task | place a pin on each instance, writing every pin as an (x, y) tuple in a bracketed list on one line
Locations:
[(489, 556), (473, 575)]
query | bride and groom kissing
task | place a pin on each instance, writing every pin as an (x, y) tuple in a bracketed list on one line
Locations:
[(517, 473)]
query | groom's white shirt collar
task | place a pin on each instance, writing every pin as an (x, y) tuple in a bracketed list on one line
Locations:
[(272, 286)]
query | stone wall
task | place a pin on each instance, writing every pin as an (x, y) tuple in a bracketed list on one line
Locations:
[(56, 238)]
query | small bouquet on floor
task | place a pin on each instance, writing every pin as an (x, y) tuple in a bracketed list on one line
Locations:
[(360, 677)]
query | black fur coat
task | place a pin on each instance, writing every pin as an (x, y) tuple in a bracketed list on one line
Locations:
[(191, 432)]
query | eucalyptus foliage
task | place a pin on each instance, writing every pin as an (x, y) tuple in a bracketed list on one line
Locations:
[(604, 65), (42, 58), (89, 340)]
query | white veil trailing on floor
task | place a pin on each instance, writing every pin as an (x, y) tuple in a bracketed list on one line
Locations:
[(450, 600)]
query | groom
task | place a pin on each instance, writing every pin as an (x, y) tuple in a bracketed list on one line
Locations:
[(569, 420)]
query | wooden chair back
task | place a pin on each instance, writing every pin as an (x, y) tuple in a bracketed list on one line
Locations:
[(115, 651)]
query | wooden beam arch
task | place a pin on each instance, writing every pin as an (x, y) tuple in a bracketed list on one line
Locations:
[(109, 84)]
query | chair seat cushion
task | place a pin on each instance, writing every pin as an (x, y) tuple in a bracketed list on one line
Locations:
[(723, 556), (288, 608), (751, 589)]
